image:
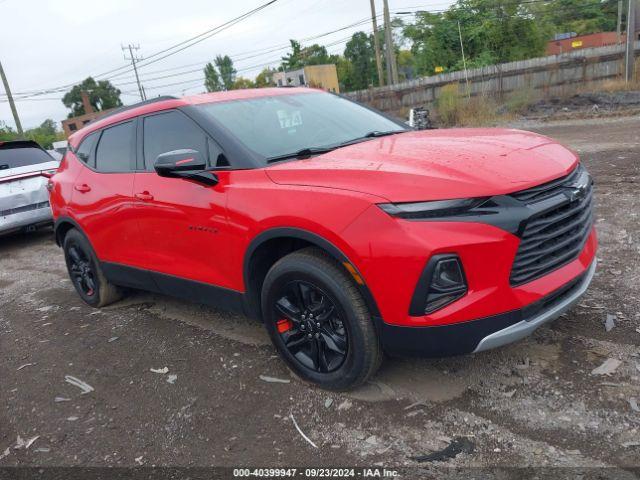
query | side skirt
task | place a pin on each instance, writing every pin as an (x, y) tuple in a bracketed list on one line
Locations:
[(198, 292)]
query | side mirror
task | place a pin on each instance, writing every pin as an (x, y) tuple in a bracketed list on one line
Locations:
[(171, 164), (185, 163)]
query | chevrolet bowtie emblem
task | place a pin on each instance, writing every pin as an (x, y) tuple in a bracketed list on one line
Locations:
[(578, 189)]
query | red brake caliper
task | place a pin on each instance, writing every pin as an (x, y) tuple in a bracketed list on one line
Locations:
[(284, 325)]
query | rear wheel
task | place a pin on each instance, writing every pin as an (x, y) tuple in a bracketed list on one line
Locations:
[(319, 322), (85, 273)]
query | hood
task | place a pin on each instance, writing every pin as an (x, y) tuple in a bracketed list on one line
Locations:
[(434, 165)]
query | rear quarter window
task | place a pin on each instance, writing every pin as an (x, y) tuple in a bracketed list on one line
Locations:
[(85, 149), (11, 157)]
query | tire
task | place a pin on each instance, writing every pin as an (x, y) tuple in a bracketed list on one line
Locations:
[(315, 282), (85, 272)]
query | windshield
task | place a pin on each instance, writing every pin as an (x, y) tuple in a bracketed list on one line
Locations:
[(284, 124), (22, 156)]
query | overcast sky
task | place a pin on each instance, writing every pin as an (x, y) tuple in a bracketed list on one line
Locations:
[(46, 44)]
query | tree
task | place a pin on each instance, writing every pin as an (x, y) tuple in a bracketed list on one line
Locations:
[(211, 78), (102, 96), (45, 134), (579, 16), (302, 56), (359, 51), (7, 133), (226, 71), (242, 82), (265, 78), (493, 31)]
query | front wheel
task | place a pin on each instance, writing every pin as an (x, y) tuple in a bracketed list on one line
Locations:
[(319, 322)]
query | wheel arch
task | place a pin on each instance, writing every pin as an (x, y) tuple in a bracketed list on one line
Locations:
[(61, 227), (271, 245)]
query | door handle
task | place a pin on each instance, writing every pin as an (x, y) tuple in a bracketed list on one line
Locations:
[(83, 188), (144, 196)]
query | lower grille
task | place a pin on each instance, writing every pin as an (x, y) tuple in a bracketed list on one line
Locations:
[(556, 236), (26, 208)]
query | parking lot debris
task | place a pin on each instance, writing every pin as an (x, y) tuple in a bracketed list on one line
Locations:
[(138, 460), (457, 446), (76, 382), (112, 339), (524, 365), (172, 378), (634, 404), (328, 402), (61, 399), (631, 444), (346, 405), (21, 443), (610, 322), (42, 450), (415, 404), (295, 424), (268, 379), (72, 419), (609, 366), (25, 365), (160, 370), (6, 453)]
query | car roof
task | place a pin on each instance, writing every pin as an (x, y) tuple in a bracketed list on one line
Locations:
[(165, 103)]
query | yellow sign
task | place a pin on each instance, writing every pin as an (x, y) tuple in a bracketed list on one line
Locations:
[(576, 43), (439, 69)]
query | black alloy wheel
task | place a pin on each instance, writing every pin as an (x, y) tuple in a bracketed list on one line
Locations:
[(318, 320), (310, 326), (81, 271), (86, 273)]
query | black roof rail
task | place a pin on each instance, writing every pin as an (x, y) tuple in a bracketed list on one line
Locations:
[(135, 105)]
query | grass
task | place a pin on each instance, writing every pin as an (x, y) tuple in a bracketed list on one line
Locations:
[(453, 108)]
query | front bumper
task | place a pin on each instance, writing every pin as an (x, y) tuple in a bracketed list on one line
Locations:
[(486, 333)]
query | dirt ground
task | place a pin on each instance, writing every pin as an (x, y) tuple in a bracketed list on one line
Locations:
[(534, 403)]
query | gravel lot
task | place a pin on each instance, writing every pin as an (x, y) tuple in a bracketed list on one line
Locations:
[(535, 403)]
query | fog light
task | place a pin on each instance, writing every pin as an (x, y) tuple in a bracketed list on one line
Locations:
[(447, 283)]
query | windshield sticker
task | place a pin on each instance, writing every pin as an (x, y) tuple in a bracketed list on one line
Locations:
[(289, 119)]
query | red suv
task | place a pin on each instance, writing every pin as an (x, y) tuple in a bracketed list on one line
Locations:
[(345, 232)]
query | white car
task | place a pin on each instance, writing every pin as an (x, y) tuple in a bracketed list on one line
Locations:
[(25, 169)]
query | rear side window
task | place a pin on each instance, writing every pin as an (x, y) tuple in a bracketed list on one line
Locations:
[(13, 157), (170, 131), (86, 147), (115, 148)]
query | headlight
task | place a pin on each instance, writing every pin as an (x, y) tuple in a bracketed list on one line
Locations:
[(438, 208), (442, 282)]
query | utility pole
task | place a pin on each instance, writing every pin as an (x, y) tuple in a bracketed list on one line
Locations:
[(392, 68), (376, 43), (619, 27), (134, 59), (631, 34), (11, 104)]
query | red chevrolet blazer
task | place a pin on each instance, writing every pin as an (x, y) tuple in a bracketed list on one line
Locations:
[(344, 231)]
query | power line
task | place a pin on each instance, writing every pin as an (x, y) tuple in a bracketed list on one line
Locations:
[(164, 53)]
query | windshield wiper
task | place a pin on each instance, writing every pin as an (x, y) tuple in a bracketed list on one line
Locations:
[(305, 152), (372, 134), (378, 133)]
